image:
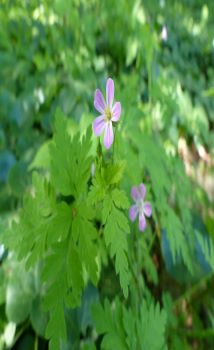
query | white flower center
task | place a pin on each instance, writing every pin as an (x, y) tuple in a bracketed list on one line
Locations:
[(140, 205)]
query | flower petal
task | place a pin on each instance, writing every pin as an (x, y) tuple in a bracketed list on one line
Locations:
[(147, 209), (135, 193), (109, 92), (98, 125), (133, 211), (116, 111), (109, 135), (142, 222), (142, 190), (99, 102)]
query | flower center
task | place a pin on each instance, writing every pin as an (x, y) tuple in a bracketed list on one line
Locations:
[(107, 114), (140, 205)]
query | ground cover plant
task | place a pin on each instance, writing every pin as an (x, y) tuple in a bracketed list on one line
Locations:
[(106, 175)]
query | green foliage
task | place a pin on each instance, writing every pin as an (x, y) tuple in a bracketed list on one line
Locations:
[(73, 155), (152, 318), (124, 329), (116, 228), (207, 247), (56, 226), (115, 223), (64, 199), (58, 232), (168, 184)]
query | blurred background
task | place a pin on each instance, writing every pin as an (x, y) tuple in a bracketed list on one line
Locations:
[(55, 53)]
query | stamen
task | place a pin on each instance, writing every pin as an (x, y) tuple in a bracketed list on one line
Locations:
[(107, 114)]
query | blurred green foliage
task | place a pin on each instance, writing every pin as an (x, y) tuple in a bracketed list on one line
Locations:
[(55, 54)]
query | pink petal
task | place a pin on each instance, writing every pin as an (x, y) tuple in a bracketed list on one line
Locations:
[(116, 111), (133, 211), (99, 102), (108, 136), (142, 190), (109, 92), (98, 125), (142, 222), (135, 193), (147, 209)]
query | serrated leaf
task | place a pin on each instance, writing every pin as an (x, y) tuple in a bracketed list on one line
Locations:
[(97, 191), (73, 157), (87, 249), (109, 322), (125, 329), (120, 199), (115, 232), (59, 223), (107, 207), (151, 317), (74, 274), (56, 329)]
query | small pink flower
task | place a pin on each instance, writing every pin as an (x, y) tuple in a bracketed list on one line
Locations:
[(109, 113), (140, 207)]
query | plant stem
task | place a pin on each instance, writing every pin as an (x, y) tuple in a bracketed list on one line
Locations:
[(200, 333), (150, 84), (193, 289), (36, 342), (151, 243)]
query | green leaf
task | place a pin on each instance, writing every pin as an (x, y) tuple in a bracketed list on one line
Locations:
[(110, 323), (115, 232), (38, 317), (87, 248), (42, 157), (18, 304), (60, 223), (20, 292), (18, 178), (107, 208), (63, 274), (151, 317), (129, 326), (125, 329), (207, 247), (113, 173), (56, 329), (35, 218), (74, 274), (120, 199), (98, 189), (73, 157)]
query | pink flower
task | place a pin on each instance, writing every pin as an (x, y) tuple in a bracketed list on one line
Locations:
[(109, 113), (140, 207)]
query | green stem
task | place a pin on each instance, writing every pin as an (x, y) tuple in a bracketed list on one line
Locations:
[(134, 276), (99, 162), (200, 333), (194, 289), (151, 243), (150, 84), (36, 343)]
